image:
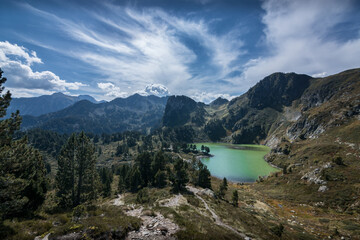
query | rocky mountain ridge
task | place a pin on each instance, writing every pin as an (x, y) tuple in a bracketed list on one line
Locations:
[(136, 112), (36, 106), (280, 103)]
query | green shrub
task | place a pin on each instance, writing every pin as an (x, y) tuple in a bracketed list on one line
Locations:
[(78, 212), (278, 229), (143, 196)]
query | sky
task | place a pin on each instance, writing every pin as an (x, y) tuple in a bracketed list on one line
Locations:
[(200, 48)]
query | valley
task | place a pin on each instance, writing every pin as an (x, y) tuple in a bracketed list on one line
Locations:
[(149, 183)]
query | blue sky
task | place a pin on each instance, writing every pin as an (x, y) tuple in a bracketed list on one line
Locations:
[(200, 48)]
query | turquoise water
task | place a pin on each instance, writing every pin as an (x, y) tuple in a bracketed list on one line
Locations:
[(239, 163)]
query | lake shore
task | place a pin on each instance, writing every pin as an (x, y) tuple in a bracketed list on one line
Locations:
[(240, 164)]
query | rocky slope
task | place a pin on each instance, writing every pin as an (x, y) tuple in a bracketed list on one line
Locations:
[(182, 110), (312, 126), (291, 103)]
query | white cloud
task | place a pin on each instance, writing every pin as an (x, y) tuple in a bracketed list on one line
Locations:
[(111, 90), (297, 34), (148, 46), (8, 49), (25, 92), (16, 62), (319, 75), (207, 97), (155, 89)]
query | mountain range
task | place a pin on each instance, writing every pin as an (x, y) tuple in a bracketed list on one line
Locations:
[(36, 106), (311, 125), (282, 103), (136, 112), (290, 104)]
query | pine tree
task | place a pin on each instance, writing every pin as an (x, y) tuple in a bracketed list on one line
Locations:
[(121, 184), (135, 179), (160, 179), (22, 170), (123, 178), (77, 178), (158, 162), (235, 198), (204, 179), (157, 165), (225, 184), (207, 149), (65, 178), (106, 180), (181, 177), (223, 188), (144, 163)]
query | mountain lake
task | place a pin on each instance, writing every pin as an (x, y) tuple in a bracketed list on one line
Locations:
[(237, 162)]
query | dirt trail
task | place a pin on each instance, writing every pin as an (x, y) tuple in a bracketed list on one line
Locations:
[(119, 200), (174, 202), (216, 217)]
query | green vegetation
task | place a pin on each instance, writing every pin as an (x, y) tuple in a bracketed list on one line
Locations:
[(222, 189), (22, 170), (77, 179), (67, 187), (235, 198)]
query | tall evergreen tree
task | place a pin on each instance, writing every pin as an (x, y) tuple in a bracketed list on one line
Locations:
[(158, 162), (135, 179), (106, 176), (235, 198), (223, 188), (144, 163), (160, 179), (123, 178), (158, 165), (204, 177), (65, 178), (22, 171), (181, 177), (77, 178)]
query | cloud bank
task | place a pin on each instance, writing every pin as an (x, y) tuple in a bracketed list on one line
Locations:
[(150, 46), (301, 37), (151, 50), (16, 62)]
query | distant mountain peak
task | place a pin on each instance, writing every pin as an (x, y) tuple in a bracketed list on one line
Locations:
[(57, 94), (36, 106), (219, 101)]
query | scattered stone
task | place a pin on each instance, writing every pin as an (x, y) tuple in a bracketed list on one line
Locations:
[(323, 188), (163, 230), (147, 213), (154, 227), (315, 175), (207, 192), (150, 226), (319, 204)]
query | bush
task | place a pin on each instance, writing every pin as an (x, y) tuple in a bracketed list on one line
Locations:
[(143, 196), (78, 212), (278, 229), (339, 161)]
